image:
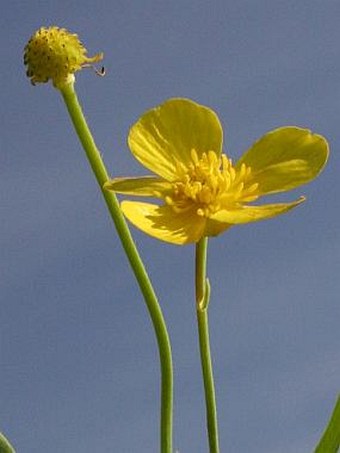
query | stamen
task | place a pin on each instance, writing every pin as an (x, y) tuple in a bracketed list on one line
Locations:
[(210, 182), (169, 201), (253, 187), (194, 156)]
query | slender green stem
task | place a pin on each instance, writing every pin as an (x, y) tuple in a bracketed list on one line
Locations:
[(98, 167), (202, 302)]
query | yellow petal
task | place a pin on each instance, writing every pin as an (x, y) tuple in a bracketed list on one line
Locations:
[(166, 135), (162, 223), (246, 214), (214, 227), (146, 186), (285, 158)]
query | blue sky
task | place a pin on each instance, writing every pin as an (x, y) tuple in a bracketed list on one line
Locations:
[(78, 360)]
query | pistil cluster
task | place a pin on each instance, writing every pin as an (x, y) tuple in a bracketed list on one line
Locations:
[(55, 54)]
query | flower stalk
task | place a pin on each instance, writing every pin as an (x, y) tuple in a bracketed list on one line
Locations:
[(202, 303), (71, 100)]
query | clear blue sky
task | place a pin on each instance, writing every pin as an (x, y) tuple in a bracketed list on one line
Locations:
[(79, 370)]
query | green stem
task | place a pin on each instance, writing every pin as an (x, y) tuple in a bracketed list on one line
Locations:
[(202, 302), (98, 167)]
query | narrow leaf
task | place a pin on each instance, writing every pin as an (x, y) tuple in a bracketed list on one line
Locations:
[(330, 440), (5, 446)]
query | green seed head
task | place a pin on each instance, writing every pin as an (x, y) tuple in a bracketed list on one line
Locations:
[(56, 54)]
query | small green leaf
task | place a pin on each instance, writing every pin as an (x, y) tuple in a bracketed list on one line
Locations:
[(330, 440)]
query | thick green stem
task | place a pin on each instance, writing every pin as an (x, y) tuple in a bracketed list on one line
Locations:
[(202, 302), (98, 167)]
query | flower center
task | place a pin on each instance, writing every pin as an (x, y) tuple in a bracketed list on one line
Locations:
[(211, 183)]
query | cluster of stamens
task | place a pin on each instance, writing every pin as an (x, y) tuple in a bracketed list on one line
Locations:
[(211, 183)]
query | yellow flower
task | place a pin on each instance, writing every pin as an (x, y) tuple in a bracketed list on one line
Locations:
[(56, 54), (201, 192)]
